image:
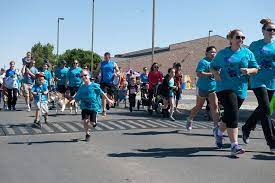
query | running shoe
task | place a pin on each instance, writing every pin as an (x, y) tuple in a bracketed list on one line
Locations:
[(94, 124), (189, 124), (87, 137), (103, 113), (172, 118), (237, 149), (245, 135), (219, 139)]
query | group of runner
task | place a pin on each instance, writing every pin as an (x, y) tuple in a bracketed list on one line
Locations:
[(222, 79)]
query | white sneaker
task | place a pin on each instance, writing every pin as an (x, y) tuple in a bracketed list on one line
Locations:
[(189, 124), (28, 108)]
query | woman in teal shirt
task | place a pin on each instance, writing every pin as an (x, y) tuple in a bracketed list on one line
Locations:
[(263, 83), (206, 87), (231, 68)]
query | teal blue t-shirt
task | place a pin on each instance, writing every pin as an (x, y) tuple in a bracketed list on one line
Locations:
[(90, 97), (40, 89), (48, 75), (229, 62), (265, 57), (73, 77), (205, 83), (61, 74)]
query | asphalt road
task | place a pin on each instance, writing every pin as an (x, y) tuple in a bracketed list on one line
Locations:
[(125, 148)]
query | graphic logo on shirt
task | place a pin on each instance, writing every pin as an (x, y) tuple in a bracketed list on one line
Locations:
[(228, 59)]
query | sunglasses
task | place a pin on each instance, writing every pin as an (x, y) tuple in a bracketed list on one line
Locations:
[(270, 30), (84, 75), (240, 37), (156, 67), (75, 63)]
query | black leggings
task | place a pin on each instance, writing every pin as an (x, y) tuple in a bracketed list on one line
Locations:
[(261, 113), (231, 104), (12, 97)]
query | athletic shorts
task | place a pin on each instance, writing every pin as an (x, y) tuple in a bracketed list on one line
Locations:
[(203, 93), (107, 88), (27, 89), (44, 107), (178, 94), (89, 114)]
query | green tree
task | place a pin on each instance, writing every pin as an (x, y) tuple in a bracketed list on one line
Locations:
[(43, 52), (84, 57)]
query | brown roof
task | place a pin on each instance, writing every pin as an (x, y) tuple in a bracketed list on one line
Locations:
[(188, 53)]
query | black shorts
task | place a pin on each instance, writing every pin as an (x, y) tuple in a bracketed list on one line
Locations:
[(107, 88), (73, 90), (89, 114), (178, 94), (61, 88)]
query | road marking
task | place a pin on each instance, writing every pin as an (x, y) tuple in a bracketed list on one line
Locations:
[(36, 130), (60, 128), (177, 123), (159, 124), (80, 125), (148, 124), (116, 125), (126, 124), (10, 131), (105, 126), (47, 128), (137, 124), (167, 122), (98, 128), (70, 127), (22, 130)]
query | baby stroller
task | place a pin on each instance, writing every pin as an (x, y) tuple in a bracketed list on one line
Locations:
[(144, 100), (157, 99)]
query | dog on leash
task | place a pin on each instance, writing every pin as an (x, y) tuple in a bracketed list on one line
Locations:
[(62, 102)]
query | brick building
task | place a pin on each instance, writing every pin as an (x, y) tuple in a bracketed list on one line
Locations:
[(188, 53)]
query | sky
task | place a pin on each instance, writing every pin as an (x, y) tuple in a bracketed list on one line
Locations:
[(122, 26)]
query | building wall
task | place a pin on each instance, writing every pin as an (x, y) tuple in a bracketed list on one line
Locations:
[(188, 53)]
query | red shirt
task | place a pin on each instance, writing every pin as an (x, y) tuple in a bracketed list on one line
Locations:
[(154, 78)]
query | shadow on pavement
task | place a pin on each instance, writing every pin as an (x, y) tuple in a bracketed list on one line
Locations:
[(170, 152), (264, 157), (152, 133), (46, 142)]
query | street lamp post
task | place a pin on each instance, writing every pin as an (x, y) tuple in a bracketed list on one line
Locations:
[(92, 44), (208, 42), (153, 31), (57, 45)]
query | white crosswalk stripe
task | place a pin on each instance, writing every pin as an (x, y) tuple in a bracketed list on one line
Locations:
[(151, 125), (23, 130), (36, 130), (70, 127), (158, 123), (127, 124), (47, 128), (60, 128), (137, 124), (10, 131), (105, 126), (168, 123), (116, 125)]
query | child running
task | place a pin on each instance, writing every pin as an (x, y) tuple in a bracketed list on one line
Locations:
[(40, 88), (133, 89), (89, 95), (206, 86), (168, 88)]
